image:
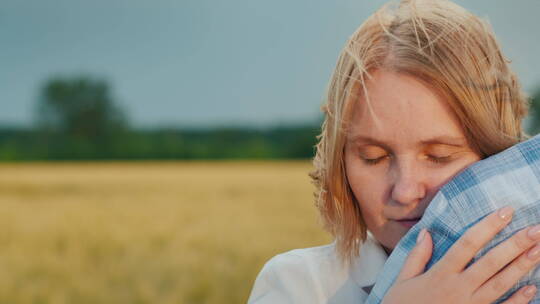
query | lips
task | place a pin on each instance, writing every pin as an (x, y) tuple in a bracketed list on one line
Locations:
[(408, 223)]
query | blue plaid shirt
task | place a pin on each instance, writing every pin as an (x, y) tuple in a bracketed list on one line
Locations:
[(511, 177)]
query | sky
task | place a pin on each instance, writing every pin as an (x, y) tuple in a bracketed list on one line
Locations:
[(197, 63)]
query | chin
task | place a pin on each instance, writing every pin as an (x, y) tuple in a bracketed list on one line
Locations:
[(392, 238), (389, 234), (389, 243)]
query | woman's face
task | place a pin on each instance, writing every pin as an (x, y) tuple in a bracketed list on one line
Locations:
[(399, 154)]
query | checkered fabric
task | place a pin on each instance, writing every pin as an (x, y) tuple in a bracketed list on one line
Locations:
[(511, 177)]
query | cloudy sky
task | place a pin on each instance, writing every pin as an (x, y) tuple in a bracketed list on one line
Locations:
[(208, 63)]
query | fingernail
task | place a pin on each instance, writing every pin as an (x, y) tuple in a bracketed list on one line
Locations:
[(534, 252), (421, 236), (529, 291), (506, 213), (534, 232)]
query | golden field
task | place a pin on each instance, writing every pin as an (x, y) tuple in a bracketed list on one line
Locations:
[(163, 232)]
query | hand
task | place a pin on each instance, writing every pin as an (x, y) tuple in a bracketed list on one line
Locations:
[(482, 282)]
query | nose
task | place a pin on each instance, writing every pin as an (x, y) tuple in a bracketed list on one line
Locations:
[(408, 186)]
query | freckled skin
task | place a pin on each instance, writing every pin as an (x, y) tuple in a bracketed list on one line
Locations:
[(400, 159)]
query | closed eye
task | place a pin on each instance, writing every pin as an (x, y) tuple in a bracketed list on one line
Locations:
[(439, 160), (374, 161)]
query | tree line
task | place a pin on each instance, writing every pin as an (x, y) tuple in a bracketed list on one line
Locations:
[(77, 119)]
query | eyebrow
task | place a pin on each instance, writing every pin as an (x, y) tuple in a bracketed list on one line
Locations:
[(444, 140)]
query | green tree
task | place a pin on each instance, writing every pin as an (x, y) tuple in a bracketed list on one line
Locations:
[(79, 119)]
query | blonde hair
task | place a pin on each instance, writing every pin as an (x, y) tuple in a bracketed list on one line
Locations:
[(440, 43)]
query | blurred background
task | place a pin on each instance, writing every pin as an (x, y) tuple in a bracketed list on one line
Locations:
[(158, 151)]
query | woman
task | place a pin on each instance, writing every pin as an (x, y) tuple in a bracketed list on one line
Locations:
[(420, 92)]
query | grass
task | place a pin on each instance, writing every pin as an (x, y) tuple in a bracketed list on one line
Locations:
[(168, 232)]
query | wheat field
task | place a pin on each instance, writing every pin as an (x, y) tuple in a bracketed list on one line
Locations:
[(148, 232)]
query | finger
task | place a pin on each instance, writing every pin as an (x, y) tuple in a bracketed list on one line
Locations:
[(523, 295), (474, 239), (505, 279), (500, 256), (418, 257)]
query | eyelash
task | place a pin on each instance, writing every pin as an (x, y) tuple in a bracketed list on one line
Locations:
[(437, 160), (373, 161)]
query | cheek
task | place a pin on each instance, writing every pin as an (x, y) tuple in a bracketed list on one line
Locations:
[(372, 214), (442, 176), (368, 187)]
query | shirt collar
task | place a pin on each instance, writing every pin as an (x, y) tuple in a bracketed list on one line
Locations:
[(369, 263)]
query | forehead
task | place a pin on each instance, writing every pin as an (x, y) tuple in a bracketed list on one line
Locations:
[(402, 109)]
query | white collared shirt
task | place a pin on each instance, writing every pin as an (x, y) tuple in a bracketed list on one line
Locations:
[(316, 276)]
